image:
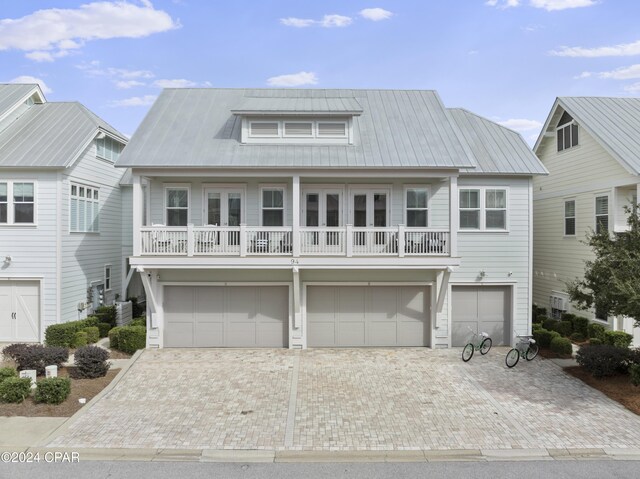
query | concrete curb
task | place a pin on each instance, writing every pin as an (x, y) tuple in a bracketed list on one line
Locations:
[(264, 456), (65, 425)]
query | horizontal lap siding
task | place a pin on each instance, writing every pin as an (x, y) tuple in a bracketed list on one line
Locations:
[(86, 254)]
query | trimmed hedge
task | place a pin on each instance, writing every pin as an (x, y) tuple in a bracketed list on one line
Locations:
[(577, 337), (11, 351), (91, 362), (544, 337), (581, 325), (564, 328), (6, 373), (93, 334), (596, 330), (113, 337), (52, 390), (603, 360), (104, 329), (37, 357), (106, 314), (138, 322), (618, 338), (595, 341), (549, 324), (561, 346), (128, 339), (80, 339), (15, 390), (64, 334)]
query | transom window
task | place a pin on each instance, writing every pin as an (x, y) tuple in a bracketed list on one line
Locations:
[(264, 129), (566, 132), (602, 214), (17, 202), (417, 207), (273, 206), (108, 148), (483, 209), (84, 211), (177, 205), (570, 217)]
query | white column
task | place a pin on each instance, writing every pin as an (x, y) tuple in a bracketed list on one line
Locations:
[(295, 223), (137, 214), (453, 216)]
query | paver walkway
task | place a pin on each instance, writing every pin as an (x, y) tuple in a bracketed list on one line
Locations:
[(348, 399)]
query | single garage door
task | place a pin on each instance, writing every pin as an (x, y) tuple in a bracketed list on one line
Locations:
[(480, 308), (19, 311), (226, 316), (367, 316)]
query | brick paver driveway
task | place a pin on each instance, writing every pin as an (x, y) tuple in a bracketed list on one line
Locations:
[(348, 399)]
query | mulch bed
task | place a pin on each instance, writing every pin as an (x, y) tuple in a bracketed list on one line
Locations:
[(618, 388), (80, 388)]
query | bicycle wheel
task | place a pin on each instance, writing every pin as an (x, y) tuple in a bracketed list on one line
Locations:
[(512, 358), (485, 346), (467, 352), (532, 351)]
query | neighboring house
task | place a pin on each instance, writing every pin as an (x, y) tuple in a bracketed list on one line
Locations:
[(591, 147), (60, 212), (321, 218)]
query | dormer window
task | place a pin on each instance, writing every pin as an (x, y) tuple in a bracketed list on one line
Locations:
[(264, 129), (298, 129), (567, 132), (332, 131)]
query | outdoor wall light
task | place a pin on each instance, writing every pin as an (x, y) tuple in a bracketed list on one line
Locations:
[(483, 273), (8, 259)]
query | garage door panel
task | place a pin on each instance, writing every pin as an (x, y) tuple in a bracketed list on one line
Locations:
[(351, 334), (209, 304), (382, 304), (412, 333), (383, 333), (412, 305), (273, 306), (240, 304), (271, 335), (209, 335), (351, 304), (181, 335), (241, 334), (460, 332), (321, 334)]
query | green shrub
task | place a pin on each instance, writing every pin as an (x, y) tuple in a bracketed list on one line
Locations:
[(130, 339), (577, 337), (634, 371), (113, 337), (64, 334), (138, 322), (549, 324), (93, 334), (80, 339), (596, 330), (106, 314), (537, 326), (595, 341), (52, 390), (543, 337), (561, 346), (6, 373), (104, 329), (90, 321), (618, 338), (91, 362), (567, 317), (581, 325), (564, 328), (37, 357), (603, 360), (15, 390)]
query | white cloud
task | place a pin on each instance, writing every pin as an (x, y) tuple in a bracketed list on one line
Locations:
[(145, 100), (294, 79), (375, 14), (621, 50), (503, 3), (177, 83), (521, 124), (550, 5), (124, 73), (633, 88), (29, 79), (126, 84), (328, 21), (583, 75), (623, 73), (52, 33)]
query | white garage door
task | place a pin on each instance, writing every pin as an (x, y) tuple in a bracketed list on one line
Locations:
[(367, 316), (19, 311), (226, 316), (481, 309)]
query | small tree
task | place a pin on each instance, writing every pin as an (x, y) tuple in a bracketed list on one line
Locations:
[(611, 282)]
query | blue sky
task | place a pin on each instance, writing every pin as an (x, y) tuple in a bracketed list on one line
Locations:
[(504, 59)]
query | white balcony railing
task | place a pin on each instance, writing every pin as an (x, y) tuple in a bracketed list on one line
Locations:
[(278, 241)]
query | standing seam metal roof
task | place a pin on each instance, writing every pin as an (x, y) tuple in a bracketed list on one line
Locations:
[(10, 94)]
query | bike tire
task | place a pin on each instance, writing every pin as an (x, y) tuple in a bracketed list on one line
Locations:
[(513, 356), (485, 346), (532, 352), (467, 352)]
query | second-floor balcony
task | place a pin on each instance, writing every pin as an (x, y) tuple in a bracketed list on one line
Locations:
[(242, 241)]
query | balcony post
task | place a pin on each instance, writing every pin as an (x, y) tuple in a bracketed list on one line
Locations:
[(243, 240), (137, 214), (190, 239), (401, 241), (349, 240), (453, 216), (295, 221)]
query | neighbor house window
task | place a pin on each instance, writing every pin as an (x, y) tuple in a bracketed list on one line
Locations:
[(107, 277), (108, 148), (4, 203), (417, 210), (566, 133), (84, 211), (470, 209), (273, 207), (17, 202), (177, 206), (495, 209), (570, 218), (602, 214)]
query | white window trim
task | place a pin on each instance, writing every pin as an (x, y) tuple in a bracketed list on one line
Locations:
[(250, 133), (321, 188), (10, 204), (299, 122), (109, 277), (84, 185), (372, 188), (170, 186), (113, 140), (595, 210), (274, 186), (283, 138), (242, 187), (344, 122), (483, 222), (405, 207), (561, 127), (565, 217)]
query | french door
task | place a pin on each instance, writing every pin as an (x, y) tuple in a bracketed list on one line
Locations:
[(369, 209), (224, 207), (322, 208)]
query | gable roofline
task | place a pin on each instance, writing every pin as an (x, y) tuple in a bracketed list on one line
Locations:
[(34, 90), (559, 102)]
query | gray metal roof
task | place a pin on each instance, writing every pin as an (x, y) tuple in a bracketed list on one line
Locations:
[(397, 129), (613, 122), (497, 149), (12, 93), (299, 106), (50, 135)]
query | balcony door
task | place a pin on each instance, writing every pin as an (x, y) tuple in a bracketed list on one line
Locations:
[(369, 209), (224, 207), (322, 208)]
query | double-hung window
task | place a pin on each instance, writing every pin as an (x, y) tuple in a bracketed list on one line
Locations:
[(177, 205), (84, 211), (272, 206), (483, 209), (602, 214), (570, 217), (495, 209), (17, 202), (417, 207), (470, 209)]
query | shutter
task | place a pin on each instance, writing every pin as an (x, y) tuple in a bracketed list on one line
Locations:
[(332, 129), (298, 129), (264, 128), (73, 216)]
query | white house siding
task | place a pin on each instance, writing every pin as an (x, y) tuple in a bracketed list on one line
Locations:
[(580, 173), (33, 249), (84, 255), (504, 257)]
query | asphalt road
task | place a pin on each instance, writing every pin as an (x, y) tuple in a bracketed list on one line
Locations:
[(186, 470)]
